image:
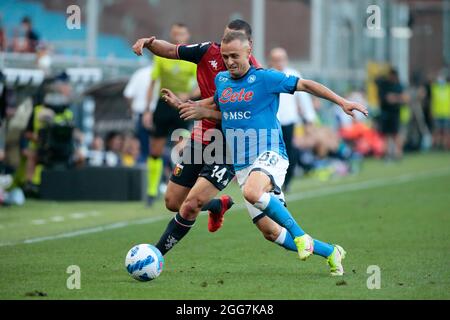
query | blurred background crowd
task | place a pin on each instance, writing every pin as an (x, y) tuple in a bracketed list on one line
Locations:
[(79, 97)]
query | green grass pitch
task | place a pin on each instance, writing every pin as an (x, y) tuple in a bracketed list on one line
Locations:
[(395, 216)]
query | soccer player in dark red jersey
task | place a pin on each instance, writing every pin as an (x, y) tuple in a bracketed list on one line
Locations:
[(192, 186)]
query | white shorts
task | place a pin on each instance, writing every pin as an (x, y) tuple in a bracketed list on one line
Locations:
[(274, 166)]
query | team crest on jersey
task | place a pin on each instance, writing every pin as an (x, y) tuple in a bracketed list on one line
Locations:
[(177, 170), (251, 79), (213, 64)]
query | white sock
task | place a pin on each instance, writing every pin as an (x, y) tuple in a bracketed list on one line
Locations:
[(281, 237), (263, 202)]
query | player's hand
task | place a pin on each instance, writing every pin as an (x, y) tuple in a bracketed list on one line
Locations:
[(147, 120), (350, 106), (190, 110), (171, 98), (142, 43)]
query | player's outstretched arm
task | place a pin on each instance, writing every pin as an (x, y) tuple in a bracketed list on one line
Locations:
[(321, 91), (158, 47)]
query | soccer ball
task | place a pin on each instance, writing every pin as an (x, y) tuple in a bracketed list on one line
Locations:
[(144, 262)]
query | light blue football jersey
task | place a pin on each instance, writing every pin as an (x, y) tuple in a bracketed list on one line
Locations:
[(249, 107)]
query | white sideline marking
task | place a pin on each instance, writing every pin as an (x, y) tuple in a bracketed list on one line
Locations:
[(57, 218), (374, 183), (82, 215), (39, 221), (77, 215)]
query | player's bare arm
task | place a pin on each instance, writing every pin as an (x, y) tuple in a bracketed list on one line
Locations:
[(191, 110), (158, 47), (199, 110), (171, 98), (321, 91), (175, 101)]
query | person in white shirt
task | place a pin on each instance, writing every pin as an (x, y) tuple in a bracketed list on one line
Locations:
[(136, 94), (293, 109)]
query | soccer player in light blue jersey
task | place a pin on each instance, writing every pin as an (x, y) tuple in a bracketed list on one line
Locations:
[(248, 99)]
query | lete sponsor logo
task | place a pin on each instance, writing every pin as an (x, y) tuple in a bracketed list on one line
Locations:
[(228, 95)]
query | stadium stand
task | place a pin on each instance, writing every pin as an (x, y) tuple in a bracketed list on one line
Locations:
[(66, 42)]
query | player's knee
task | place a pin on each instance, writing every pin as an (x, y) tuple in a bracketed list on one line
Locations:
[(269, 232), (252, 195), (270, 235), (190, 208), (172, 204)]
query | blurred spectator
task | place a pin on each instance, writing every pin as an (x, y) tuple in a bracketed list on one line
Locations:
[(325, 154), (418, 135), (26, 39), (136, 94), (9, 193), (2, 141), (80, 150), (289, 112), (3, 104), (49, 131), (427, 103), (98, 144), (357, 132), (391, 96), (131, 151), (440, 106), (43, 58), (114, 145), (3, 41), (321, 140), (96, 153)]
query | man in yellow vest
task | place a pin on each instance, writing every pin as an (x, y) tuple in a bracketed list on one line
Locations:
[(440, 109)]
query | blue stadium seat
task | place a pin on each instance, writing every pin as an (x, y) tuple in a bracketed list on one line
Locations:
[(44, 22)]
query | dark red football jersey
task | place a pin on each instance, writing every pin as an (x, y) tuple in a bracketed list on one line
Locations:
[(209, 63)]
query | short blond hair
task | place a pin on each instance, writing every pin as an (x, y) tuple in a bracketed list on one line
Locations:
[(235, 35)]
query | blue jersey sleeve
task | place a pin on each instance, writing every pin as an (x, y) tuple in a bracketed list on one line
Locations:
[(278, 82)]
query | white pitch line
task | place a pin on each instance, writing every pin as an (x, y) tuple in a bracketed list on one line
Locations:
[(77, 215), (39, 221), (357, 186), (116, 225), (57, 219), (374, 183)]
